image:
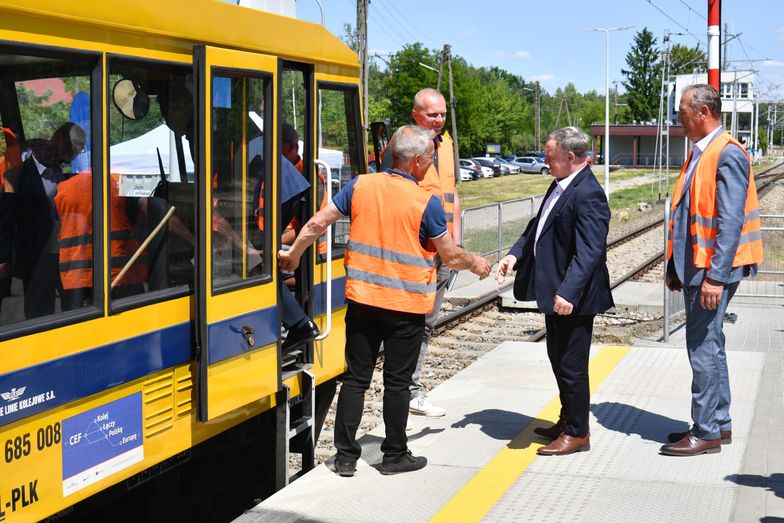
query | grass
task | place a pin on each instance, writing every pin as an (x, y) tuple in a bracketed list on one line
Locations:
[(623, 202), (493, 190)]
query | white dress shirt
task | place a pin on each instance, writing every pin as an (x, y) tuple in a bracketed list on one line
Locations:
[(560, 187)]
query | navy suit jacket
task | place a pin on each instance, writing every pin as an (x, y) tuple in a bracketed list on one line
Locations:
[(571, 254)]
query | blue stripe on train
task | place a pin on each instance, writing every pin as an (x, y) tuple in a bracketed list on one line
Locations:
[(53, 383), (226, 339), (338, 295)]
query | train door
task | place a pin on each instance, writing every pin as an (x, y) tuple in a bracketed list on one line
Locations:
[(297, 182), (238, 317), (339, 158)]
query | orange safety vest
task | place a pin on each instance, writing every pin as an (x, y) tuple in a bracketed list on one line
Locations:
[(441, 181), (704, 219), (12, 157), (386, 265), (75, 207)]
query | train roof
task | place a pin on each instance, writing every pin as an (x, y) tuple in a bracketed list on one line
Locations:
[(211, 22)]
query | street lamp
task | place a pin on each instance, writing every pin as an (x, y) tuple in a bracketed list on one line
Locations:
[(607, 32)]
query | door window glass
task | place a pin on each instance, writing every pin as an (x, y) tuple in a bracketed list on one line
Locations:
[(339, 148), (239, 183)]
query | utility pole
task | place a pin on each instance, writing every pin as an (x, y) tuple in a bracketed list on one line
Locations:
[(362, 40), (441, 70), (538, 135), (452, 103), (725, 55)]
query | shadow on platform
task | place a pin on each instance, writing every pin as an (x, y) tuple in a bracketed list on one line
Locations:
[(628, 419), (773, 483)]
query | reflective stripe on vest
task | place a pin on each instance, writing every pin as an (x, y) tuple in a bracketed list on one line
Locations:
[(74, 205), (386, 265), (440, 180), (702, 208)]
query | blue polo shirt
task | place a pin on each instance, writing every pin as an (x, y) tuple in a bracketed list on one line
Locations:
[(433, 220)]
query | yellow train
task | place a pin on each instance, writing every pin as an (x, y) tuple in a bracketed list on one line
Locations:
[(140, 312)]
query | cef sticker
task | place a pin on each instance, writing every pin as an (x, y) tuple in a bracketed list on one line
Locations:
[(101, 441)]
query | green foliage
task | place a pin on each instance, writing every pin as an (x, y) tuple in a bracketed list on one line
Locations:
[(40, 117), (685, 59), (642, 83)]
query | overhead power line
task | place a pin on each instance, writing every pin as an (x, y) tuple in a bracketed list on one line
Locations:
[(676, 22)]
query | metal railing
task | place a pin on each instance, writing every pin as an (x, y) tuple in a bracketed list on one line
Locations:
[(769, 280), (493, 228), (674, 305)]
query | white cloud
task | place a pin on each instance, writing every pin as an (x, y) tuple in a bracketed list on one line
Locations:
[(773, 63), (513, 54), (469, 32), (780, 33), (543, 77)]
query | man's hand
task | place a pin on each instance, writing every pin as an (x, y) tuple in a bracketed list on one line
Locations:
[(504, 267), (562, 307), (288, 262), (710, 294), (673, 283), (480, 267)]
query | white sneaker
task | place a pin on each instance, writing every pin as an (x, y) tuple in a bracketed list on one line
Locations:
[(422, 407)]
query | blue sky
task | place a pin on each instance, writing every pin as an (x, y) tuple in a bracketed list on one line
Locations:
[(550, 41)]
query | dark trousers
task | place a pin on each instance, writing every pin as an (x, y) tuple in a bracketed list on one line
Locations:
[(366, 328), (41, 288), (568, 347), (293, 315)]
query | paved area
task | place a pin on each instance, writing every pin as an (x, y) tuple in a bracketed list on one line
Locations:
[(482, 461)]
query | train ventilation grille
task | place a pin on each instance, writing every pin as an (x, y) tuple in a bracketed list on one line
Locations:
[(167, 398)]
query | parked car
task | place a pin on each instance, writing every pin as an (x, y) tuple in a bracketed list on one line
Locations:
[(466, 175), (486, 172), (475, 169), (488, 162), (513, 169), (532, 164)]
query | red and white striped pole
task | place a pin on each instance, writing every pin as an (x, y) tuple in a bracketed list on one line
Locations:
[(714, 43)]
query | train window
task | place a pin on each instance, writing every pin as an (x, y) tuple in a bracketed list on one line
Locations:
[(338, 148), (238, 174), (45, 242), (151, 177)]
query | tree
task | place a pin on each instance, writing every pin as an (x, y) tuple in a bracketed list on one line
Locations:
[(685, 59), (642, 83)]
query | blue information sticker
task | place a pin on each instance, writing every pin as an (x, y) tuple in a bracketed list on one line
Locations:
[(101, 442)]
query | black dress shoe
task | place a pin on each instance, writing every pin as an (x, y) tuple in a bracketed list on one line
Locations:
[(553, 431), (308, 332), (345, 467), (408, 463), (725, 435)]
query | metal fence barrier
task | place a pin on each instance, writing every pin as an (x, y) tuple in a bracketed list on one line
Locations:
[(768, 283), (674, 304), (492, 229)]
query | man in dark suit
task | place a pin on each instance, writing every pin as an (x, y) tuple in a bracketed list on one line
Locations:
[(561, 261), (30, 201)]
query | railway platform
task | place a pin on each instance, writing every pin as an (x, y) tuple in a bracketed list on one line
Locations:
[(482, 461)]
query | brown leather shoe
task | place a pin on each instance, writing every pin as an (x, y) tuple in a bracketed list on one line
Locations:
[(726, 436), (553, 431), (565, 444), (691, 445)]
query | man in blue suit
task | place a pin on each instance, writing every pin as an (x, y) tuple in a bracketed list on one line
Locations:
[(715, 242), (561, 262)]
